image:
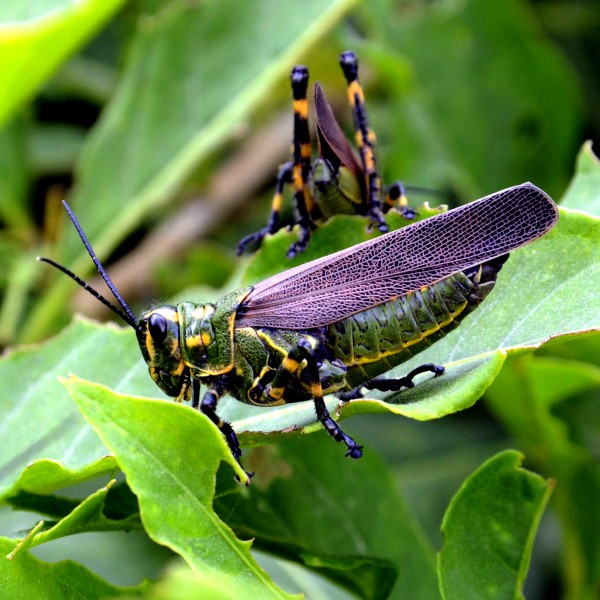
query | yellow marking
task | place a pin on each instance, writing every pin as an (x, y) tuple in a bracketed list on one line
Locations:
[(316, 389), (301, 108), (403, 200), (276, 393), (289, 364), (369, 160), (270, 342), (207, 338), (355, 91), (179, 369), (154, 373), (308, 200), (193, 341), (266, 369), (150, 345), (305, 150), (276, 203), (298, 179)]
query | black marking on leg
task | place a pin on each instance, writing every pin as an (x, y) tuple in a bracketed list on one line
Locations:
[(208, 407), (284, 177), (393, 385), (332, 428)]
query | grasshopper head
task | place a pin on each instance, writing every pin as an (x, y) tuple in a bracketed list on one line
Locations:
[(158, 337)]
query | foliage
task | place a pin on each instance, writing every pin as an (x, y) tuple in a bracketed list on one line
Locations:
[(467, 98)]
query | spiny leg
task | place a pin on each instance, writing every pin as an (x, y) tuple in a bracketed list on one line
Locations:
[(303, 200), (365, 139), (208, 407), (290, 364), (393, 384)]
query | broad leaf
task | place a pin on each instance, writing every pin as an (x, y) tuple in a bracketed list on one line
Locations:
[(41, 423), (342, 518), (24, 576), (489, 530), (170, 454), (35, 38)]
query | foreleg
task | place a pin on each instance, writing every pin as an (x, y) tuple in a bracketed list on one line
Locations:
[(208, 407)]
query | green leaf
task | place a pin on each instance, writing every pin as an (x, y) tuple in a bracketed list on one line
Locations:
[(39, 420), (85, 517), (25, 576), (342, 518), (182, 583), (170, 454), (525, 398), (489, 530), (14, 176), (35, 38), (584, 190)]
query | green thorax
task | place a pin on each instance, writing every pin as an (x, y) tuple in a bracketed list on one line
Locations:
[(206, 334)]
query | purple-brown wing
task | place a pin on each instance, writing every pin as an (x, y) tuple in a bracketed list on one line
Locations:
[(332, 140), (332, 288)]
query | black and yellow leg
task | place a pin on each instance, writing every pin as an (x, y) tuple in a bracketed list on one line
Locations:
[(284, 177), (208, 407), (303, 200), (396, 198), (289, 366), (365, 139), (392, 385)]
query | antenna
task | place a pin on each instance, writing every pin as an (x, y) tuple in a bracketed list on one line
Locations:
[(126, 314)]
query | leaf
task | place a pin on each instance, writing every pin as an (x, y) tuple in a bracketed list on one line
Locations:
[(339, 517), (14, 175), (489, 530), (41, 423), (525, 398), (170, 454), (182, 583), (584, 189), (36, 38), (85, 517), (25, 576)]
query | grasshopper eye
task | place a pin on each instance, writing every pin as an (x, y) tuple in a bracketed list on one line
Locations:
[(157, 326)]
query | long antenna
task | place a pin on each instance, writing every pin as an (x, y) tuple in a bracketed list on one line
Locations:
[(126, 314), (86, 286)]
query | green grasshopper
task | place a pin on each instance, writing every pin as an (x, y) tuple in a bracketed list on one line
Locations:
[(337, 182), (336, 324)]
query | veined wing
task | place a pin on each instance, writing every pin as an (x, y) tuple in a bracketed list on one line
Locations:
[(332, 288)]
